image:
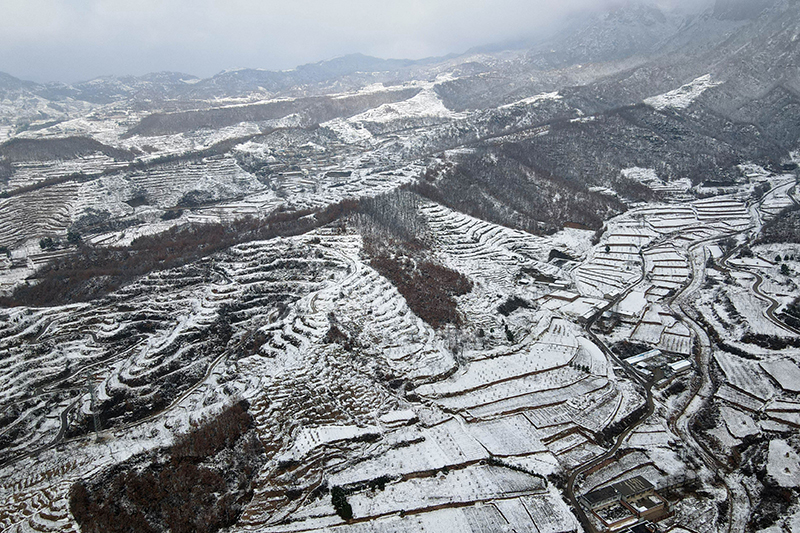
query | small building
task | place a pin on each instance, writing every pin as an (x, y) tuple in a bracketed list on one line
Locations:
[(19, 259), (633, 488), (651, 507), (642, 527), (640, 496), (615, 517), (680, 366), (624, 503), (564, 295), (600, 498), (644, 356)]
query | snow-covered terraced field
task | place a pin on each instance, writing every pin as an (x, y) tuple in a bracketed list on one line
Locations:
[(502, 414), (218, 177), (37, 213), (653, 240), (719, 213), (281, 310), (307, 192), (780, 199), (253, 285), (52, 210), (31, 173), (468, 243), (746, 376), (545, 512), (498, 397), (616, 262), (178, 314), (309, 316)]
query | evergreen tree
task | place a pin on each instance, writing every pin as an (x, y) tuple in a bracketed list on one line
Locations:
[(340, 504)]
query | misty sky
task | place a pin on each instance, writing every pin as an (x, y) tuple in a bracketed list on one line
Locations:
[(75, 40)]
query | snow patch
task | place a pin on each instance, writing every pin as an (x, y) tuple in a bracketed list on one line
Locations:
[(533, 100), (425, 104), (578, 242), (642, 175), (397, 418), (347, 131), (682, 97)]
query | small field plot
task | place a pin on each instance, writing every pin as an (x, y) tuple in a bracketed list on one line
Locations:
[(783, 464), (648, 332), (484, 373), (548, 418), (727, 210), (540, 385), (583, 308), (539, 513), (550, 513), (785, 372), (446, 444), (508, 436), (580, 454), (631, 234), (745, 375), (772, 204), (613, 470), (667, 268), (481, 517), (788, 412), (652, 326), (632, 306), (786, 419), (739, 399), (310, 438), (751, 309), (591, 357), (463, 485), (600, 280), (692, 235), (739, 423), (750, 262), (532, 400), (615, 262), (650, 435), (670, 220), (595, 411), (677, 339), (667, 256)]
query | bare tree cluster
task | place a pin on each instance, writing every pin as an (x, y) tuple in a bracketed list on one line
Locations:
[(201, 485)]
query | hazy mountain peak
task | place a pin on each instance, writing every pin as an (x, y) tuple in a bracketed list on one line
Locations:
[(740, 9), (9, 82)]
